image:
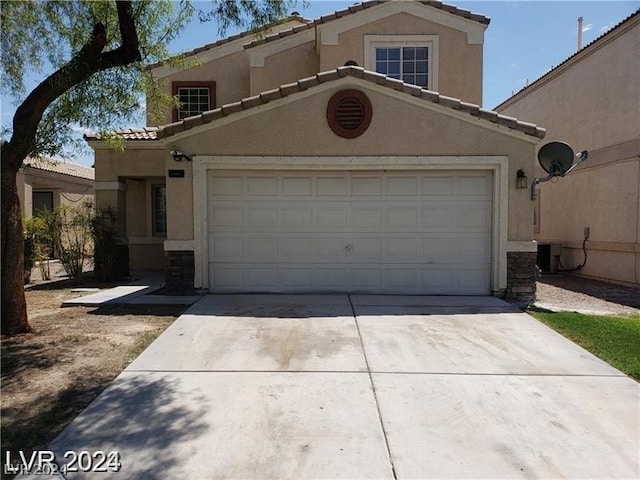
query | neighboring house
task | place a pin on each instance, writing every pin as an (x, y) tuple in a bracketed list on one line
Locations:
[(287, 171), (48, 183), (592, 101)]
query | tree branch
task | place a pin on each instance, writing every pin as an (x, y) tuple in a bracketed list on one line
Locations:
[(89, 60)]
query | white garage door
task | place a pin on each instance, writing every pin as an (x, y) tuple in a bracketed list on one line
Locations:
[(367, 232)]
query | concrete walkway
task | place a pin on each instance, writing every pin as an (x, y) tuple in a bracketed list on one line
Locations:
[(355, 387)]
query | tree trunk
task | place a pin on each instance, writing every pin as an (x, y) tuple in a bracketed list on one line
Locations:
[(14, 306), (88, 61)]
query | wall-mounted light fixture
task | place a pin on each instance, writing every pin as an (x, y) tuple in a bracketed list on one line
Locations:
[(180, 156), (521, 179)]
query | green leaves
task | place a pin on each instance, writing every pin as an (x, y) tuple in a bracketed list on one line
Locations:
[(39, 37)]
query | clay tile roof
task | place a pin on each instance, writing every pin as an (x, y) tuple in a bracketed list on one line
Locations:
[(586, 48), (222, 41), (60, 166), (146, 133), (362, 6), (358, 72)]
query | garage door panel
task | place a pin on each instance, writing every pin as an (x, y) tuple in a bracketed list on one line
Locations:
[(297, 186), (366, 216), (226, 216), (437, 185), (437, 215), (366, 186), (331, 217), (399, 232), (477, 186), (224, 247), (401, 247), (402, 186), (297, 277), (402, 216), (473, 216), (262, 186), (297, 217), (334, 186), (330, 278), (231, 186), (366, 278), (297, 247)]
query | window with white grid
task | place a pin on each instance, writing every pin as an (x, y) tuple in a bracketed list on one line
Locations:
[(409, 64), (193, 101), (410, 58)]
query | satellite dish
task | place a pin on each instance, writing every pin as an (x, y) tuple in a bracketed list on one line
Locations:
[(556, 158)]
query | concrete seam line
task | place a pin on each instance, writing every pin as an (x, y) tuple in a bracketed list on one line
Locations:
[(373, 389)]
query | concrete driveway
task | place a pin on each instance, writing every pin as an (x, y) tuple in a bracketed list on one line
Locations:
[(337, 386)]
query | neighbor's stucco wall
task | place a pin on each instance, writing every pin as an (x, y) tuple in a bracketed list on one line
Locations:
[(459, 63), (592, 103), (299, 128), (67, 190)]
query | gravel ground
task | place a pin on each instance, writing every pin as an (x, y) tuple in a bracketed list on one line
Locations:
[(561, 292)]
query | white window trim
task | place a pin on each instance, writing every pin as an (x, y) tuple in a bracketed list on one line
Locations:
[(371, 42)]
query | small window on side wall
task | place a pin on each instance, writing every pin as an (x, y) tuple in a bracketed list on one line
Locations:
[(159, 201), (194, 98)]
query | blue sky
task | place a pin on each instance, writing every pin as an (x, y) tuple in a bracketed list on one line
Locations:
[(523, 41)]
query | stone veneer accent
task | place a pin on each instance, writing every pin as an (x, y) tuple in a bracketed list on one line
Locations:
[(179, 272), (521, 277)]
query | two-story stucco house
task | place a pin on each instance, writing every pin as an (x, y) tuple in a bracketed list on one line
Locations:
[(344, 154), (592, 101)]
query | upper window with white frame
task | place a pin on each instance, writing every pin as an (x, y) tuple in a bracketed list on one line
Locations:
[(410, 58), (194, 98)]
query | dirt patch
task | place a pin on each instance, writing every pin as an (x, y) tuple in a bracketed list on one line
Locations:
[(50, 376)]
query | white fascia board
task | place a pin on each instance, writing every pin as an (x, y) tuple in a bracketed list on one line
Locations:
[(330, 31), (258, 53)]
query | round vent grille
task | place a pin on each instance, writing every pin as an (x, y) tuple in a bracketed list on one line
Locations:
[(349, 113)]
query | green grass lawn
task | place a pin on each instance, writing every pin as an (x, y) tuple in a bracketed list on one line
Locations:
[(616, 340)]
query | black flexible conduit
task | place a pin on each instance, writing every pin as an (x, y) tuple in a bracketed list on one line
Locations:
[(575, 269)]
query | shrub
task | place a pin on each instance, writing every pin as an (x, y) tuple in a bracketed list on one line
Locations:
[(104, 230), (73, 241), (40, 232)]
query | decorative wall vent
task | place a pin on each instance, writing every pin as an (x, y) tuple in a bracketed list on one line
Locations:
[(349, 113)]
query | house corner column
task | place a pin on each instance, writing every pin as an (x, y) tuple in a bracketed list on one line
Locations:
[(521, 278), (179, 271)]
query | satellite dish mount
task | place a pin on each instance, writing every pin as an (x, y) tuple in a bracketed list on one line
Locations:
[(557, 159)]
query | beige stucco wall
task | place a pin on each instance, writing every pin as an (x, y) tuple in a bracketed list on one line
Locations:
[(593, 103), (137, 160), (299, 128), (459, 62), (124, 181), (231, 74), (285, 67), (459, 65)]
